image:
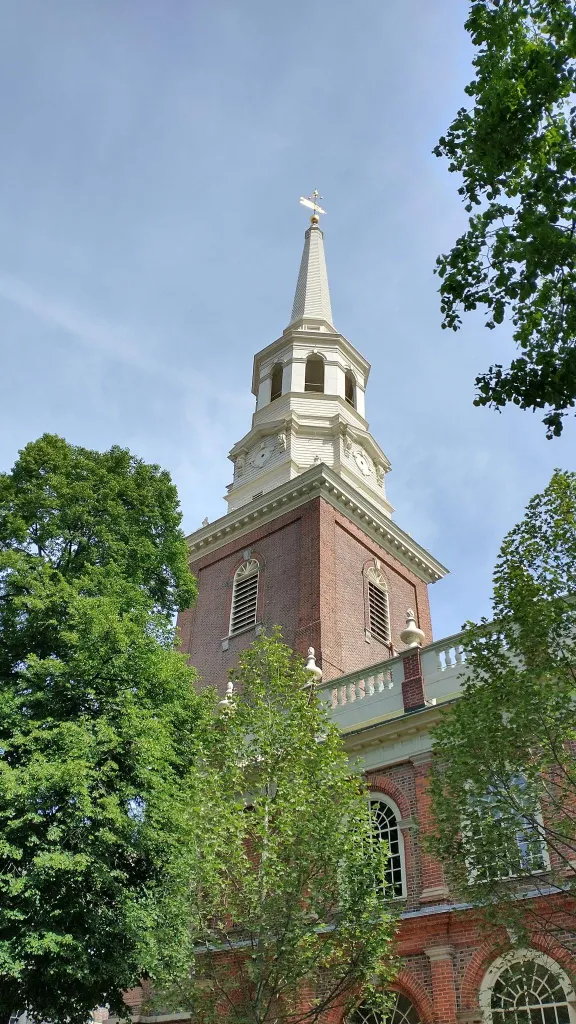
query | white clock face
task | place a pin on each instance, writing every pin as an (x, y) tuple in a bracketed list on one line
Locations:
[(260, 456), (363, 463)]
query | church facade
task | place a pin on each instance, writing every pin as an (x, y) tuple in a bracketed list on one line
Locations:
[(309, 543)]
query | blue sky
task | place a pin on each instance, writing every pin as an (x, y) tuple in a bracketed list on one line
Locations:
[(150, 235)]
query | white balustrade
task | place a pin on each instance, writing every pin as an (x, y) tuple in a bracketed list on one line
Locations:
[(377, 690), (449, 656), (361, 685)]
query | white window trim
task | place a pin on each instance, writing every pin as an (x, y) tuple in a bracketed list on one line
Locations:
[(249, 568), (517, 956), (383, 798), (473, 870)]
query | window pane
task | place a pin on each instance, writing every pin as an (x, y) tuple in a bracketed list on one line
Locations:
[(402, 1012), (527, 992), (385, 829)]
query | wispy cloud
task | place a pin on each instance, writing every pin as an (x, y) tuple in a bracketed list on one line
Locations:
[(113, 340)]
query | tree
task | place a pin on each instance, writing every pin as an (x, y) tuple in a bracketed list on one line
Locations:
[(515, 150), (98, 720), (504, 785), (289, 919)]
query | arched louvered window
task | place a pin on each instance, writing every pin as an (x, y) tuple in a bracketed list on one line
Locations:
[(350, 388), (244, 597), (378, 616), (385, 830), (276, 382), (527, 987), (402, 1011), (314, 377)]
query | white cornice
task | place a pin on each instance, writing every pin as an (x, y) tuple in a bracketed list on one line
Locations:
[(320, 481), (397, 726), (297, 422), (266, 428)]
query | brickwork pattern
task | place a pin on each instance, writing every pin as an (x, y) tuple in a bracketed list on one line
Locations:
[(413, 684), (311, 584), (278, 547), (352, 550)]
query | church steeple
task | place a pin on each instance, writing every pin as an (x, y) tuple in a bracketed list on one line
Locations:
[(309, 526), (309, 386), (312, 298)]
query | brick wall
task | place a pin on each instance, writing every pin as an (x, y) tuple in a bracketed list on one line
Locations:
[(311, 584), (352, 551), (444, 954), (277, 546)]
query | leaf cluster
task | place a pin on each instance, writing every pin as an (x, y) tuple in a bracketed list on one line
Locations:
[(512, 735), (515, 150)]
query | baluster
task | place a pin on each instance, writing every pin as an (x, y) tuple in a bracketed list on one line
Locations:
[(359, 690), (369, 686), (389, 679), (439, 665), (458, 653), (350, 693)]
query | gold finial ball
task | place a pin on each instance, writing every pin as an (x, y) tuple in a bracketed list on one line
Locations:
[(314, 219)]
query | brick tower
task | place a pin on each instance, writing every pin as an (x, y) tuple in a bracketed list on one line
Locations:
[(308, 542)]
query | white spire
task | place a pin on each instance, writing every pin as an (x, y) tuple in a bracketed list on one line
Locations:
[(312, 298)]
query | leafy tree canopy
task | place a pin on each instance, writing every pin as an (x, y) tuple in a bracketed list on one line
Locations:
[(515, 150), (98, 725), (290, 919), (76, 508), (504, 788)]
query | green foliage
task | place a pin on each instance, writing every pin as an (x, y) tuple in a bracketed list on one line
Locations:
[(515, 150), (285, 919), (98, 720), (504, 787), (77, 508)]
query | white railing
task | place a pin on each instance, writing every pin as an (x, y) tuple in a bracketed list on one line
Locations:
[(358, 685), (443, 655), (376, 691)]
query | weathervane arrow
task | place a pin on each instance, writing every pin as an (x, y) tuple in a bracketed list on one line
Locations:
[(310, 202)]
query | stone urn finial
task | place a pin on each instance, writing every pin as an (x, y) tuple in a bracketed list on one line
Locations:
[(226, 705), (412, 636), (312, 668)]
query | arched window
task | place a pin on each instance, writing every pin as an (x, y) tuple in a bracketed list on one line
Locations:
[(378, 612), (385, 830), (402, 1011), (276, 382), (350, 388), (244, 597), (527, 987), (314, 377)]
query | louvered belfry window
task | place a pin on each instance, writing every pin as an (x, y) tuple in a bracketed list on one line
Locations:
[(245, 597), (378, 613)]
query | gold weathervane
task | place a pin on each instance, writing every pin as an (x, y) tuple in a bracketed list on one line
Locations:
[(310, 202)]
